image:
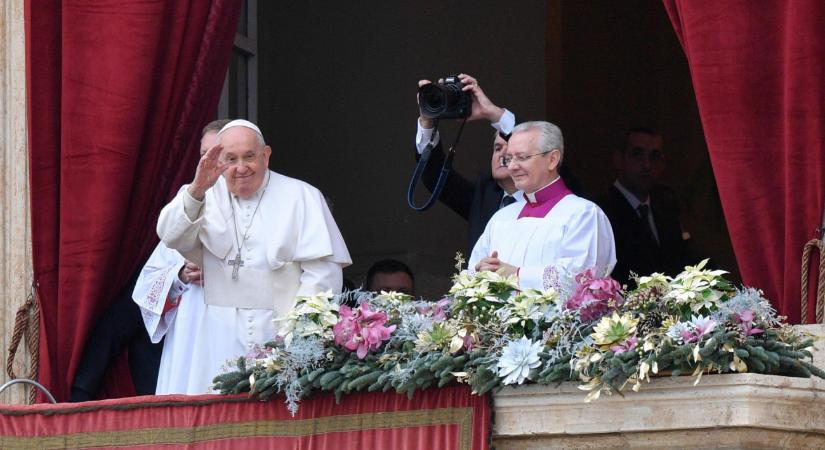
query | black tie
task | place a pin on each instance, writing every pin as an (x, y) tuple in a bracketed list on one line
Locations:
[(508, 199), (644, 216)]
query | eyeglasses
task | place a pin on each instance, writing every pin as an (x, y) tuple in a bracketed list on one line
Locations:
[(232, 160), (506, 160)]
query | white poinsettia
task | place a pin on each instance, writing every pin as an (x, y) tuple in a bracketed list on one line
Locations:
[(481, 285), (517, 359), (529, 305), (655, 280), (311, 315), (696, 286)]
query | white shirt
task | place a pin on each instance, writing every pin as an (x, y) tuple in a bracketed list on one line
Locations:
[(505, 125)]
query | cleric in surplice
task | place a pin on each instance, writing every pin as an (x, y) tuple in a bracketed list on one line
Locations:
[(261, 239), (554, 234)]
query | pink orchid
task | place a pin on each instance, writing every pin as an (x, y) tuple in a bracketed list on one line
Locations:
[(627, 346), (468, 343), (437, 311), (745, 319), (361, 330), (592, 296), (698, 328)]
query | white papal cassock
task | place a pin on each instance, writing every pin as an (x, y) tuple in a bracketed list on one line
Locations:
[(551, 235), (293, 248)]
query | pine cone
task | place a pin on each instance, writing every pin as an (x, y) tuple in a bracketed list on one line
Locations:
[(650, 322), (740, 333), (642, 299)]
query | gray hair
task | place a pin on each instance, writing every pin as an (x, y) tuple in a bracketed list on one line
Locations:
[(549, 136)]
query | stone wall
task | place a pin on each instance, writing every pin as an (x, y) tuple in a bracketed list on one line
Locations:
[(15, 226)]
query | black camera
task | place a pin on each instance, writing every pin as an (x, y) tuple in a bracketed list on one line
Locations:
[(445, 100)]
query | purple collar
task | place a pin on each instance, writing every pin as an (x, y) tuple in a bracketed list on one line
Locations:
[(540, 203)]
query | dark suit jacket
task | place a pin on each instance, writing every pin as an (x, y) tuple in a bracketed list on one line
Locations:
[(635, 250), (119, 328), (476, 201)]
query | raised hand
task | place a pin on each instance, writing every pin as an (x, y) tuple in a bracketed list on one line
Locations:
[(207, 173), (425, 122), (483, 108)]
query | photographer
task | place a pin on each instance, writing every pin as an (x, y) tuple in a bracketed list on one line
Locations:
[(475, 201)]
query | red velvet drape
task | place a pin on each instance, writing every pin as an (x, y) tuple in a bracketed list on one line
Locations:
[(758, 69), (118, 93)]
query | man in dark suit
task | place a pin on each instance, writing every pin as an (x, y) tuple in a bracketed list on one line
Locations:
[(476, 201), (644, 215)]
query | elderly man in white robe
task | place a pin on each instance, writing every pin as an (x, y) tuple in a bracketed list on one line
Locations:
[(553, 235), (261, 239)]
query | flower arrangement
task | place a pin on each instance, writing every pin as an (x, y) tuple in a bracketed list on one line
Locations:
[(488, 333)]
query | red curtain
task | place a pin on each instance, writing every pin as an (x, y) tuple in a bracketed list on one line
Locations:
[(118, 93), (436, 419), (758, 69)]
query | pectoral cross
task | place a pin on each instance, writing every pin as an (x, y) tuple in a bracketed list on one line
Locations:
[(236, 264)]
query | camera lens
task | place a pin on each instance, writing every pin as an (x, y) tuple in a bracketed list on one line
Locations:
[(444, 100), (433, 99)]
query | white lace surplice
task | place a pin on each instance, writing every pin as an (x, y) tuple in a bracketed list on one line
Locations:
[(574, 236)]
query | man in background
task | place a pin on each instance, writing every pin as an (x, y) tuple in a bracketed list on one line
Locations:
[(644, 214), (390, 275)]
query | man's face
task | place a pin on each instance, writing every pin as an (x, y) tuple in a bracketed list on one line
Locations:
[(392, 281), (535, 172), (642, 162), (499, 149), (209, 140), (248, 161)]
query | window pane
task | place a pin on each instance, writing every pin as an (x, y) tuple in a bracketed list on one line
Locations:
[(238, 88), (243, 20)]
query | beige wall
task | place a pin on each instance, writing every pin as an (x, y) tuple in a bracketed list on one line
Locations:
[(15, 227)]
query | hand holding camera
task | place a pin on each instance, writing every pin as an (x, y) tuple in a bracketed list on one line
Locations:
[(455, 97)]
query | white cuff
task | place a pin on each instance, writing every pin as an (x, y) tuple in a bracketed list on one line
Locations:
[(177, 289), (423, 136), (506, 123)]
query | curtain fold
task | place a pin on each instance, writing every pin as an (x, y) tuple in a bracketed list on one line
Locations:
[(758, 72), (117, 95)]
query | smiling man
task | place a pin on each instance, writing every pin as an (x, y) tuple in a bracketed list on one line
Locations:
[(261, 239), (554, 234)]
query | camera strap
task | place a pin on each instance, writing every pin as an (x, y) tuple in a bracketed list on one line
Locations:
[(442, 177)]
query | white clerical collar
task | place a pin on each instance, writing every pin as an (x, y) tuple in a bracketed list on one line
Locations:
[(630, 197), (531, 197)]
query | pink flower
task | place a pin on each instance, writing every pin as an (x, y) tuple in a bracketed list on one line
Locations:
[(437, 311), (697, 328), (361, 330), (745, 319), (592, 296), (627, 346), (468, 343)]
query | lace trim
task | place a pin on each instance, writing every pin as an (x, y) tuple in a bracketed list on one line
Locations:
[(551, 279), (154, 296)]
